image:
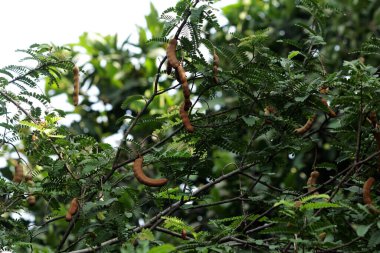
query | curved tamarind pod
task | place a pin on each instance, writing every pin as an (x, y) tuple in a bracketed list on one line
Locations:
[(169, 68), (73, 209), (183, 80), (142, 178), (215, 67), (185, 119), (19, 174), (312, 181), (31, 200), (171, 54), (187, 104), (331, 112), (76, 85), (307, 125), (68, 217), (367, 190)]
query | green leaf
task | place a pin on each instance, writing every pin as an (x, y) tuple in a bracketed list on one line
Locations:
[(251, 120), (293, 54), (165, 248), (374, 240), (131, 99), (361, 230)]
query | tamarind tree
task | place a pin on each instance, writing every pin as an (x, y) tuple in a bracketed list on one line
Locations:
[(256, 135)]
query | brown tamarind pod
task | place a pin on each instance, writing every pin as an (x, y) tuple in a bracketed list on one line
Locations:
[(312, 181), (367, 190), (297, 204), (31, 200), (68, 217), (187, 104), (76, 85), (74, 204), (331, 112), (171, 53), (322, 236), (183, 234), (215, 67), (183, 80), (268, 111), (142, 178), (307, 125), (169, 68), (19, 174), (324, 90), (185, 119)]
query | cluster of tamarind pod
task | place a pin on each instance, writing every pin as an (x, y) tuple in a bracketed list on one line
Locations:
[(18, 177)]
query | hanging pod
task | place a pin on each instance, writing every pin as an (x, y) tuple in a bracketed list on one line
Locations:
[(142, 178)]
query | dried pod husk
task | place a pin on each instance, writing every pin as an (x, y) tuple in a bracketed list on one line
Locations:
[(331, 112), (142, 178), (19, 173), (307, 125), (76, 85), (185, 119), (171, 53), (312, 181)]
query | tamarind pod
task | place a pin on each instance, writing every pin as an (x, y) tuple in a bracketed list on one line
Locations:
[(142, 178), (185, 119), (68, 217), (171, 53), (76, 85), (268, 111), (331, 112), (373, 118), (307, 125), (367, 190), (73, 206), (183, 234), (215, 67), (312, 181), (183, 80), (31, 200), (187, 104), (322, 236), (19, 174), (28, 177), (324, 90), (169, 68)]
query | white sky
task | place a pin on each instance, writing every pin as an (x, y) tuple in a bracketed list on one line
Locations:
[(24, 22)]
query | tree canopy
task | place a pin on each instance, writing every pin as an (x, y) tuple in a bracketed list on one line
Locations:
[(247, 129)]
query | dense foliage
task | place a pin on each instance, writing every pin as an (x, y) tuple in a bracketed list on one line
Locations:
[(284, 156)]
